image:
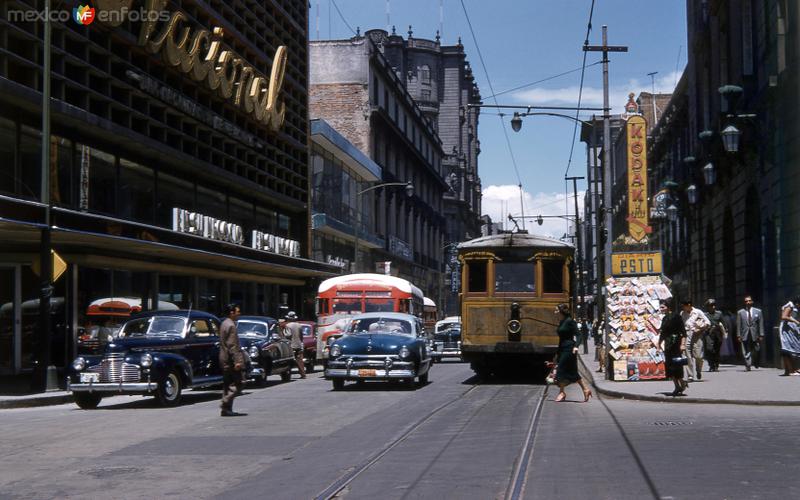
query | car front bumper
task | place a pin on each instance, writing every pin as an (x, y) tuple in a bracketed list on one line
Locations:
[(369, 369), (117, 387), (257, 373), (449, 353)]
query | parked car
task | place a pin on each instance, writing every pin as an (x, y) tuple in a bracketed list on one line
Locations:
[(446, 342), (158, 353), (380, 346), (266, 346), (105, 317)]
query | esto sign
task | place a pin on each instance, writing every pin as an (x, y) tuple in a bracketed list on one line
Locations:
[(200, 54)]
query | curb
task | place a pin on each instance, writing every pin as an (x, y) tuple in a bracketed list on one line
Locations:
[(586, 373), (23, 402)]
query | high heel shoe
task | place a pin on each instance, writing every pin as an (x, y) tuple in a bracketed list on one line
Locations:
[(587, 395), (561, 397)]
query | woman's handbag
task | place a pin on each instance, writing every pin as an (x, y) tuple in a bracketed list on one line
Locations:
[(551, 376), (680, 361)]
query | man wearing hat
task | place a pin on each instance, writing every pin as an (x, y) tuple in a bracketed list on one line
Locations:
[(696, 324), (294, 330), (715, 336)]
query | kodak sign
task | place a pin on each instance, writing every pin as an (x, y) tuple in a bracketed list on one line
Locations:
[(638, 226)]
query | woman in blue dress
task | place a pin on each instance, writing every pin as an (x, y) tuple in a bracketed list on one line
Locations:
[(790, 336), (567, 368)]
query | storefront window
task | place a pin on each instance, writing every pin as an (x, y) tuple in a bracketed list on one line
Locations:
[(178, 290), (8, 142), (136, 192), (102, 182), (30, 145), (173, 193), (210, 295)]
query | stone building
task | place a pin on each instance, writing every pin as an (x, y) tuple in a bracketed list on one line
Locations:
[(357, 91), (440, 79)]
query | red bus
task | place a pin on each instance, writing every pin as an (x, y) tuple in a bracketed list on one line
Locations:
[(340, 298), (430, 315)]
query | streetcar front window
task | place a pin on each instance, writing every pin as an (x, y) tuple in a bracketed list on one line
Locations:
[(515, 277), (476, 271), (553, 276)]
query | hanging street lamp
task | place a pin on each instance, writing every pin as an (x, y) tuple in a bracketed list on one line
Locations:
[(691, 194), (730, 138), (709, 174)]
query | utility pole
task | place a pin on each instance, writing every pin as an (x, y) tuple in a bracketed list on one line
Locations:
[(47, 373), (652, 76), (605, 269), (578, 256)]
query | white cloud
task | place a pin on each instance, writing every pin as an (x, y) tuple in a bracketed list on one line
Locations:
[(593, 96), (500, 200)]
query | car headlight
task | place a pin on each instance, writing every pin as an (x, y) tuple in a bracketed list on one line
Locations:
[(253, 352), (146, 360), (336, 350), (79, 364), (331, 340), (404, 352)]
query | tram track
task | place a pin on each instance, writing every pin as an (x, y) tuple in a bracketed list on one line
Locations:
[(338, 488)]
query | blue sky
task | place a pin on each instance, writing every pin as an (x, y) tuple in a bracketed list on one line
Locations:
[(523, 41)]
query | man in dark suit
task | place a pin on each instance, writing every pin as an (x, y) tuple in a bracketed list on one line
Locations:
[(750, 332)]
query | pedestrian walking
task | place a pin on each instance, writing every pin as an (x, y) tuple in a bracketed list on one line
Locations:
[(294, 331), (790, 336), (750, 332), (715, 336), (567, 367), (672, 341), (231, 359), (696, 324), (599, 345)]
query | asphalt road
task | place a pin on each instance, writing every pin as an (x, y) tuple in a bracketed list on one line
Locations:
[(450, 439)]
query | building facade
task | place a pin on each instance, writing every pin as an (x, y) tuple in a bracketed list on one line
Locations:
[(178, 172), (355, 89)]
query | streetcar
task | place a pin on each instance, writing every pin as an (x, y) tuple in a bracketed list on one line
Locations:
[(342, 297), (510, 286)]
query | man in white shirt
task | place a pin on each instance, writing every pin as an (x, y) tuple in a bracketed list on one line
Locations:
[(696, 324)]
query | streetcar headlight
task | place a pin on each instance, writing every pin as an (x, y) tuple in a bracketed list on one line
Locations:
[(514, 326), (336, 350), (146, 360), (404, 352), (79, 364), (253, 352)]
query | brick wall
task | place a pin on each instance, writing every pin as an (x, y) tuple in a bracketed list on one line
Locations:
[(345, 107)]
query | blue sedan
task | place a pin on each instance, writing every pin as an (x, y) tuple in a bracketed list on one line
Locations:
[(380, 346)]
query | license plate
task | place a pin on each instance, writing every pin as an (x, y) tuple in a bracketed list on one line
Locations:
[(366, 373), (90, 377)]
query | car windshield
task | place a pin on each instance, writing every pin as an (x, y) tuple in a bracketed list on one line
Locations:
[(307, 331), (251, 328), (156, 326), (382, 325), (448, 326)]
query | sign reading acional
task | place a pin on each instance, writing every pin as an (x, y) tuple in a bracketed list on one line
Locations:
[(636, 263), (201, 55), (637, 218), (188, 222)]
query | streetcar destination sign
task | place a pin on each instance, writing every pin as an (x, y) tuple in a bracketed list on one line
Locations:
[(636, 263)]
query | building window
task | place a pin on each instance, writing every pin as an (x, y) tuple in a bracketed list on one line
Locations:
[(30, 145), (62, 184), (425, 74), (425, 95), (173, 193), (102, 182), (8, 141), (136, 192)]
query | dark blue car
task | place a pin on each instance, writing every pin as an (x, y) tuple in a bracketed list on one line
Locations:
[(156, 352), (380, 346)]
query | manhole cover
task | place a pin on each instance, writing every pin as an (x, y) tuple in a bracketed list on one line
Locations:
[(668, 423), (111, 471)]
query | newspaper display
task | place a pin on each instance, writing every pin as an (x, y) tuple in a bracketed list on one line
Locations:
[(634, 322)]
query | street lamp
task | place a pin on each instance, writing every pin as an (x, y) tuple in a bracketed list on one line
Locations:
[(709, 174), (516, 122), (691, 194), (672, 213), (730, 138), (409, 188)]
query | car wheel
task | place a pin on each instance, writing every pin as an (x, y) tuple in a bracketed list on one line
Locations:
[(87, 401), (287, 375), (423, 379), (169, 391), (338, 384)]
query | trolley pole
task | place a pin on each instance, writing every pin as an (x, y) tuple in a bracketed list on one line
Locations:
[(604, 264), (579, 262)]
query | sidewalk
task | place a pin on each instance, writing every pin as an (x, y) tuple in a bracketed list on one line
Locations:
[(39, 399), (730, 385)]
